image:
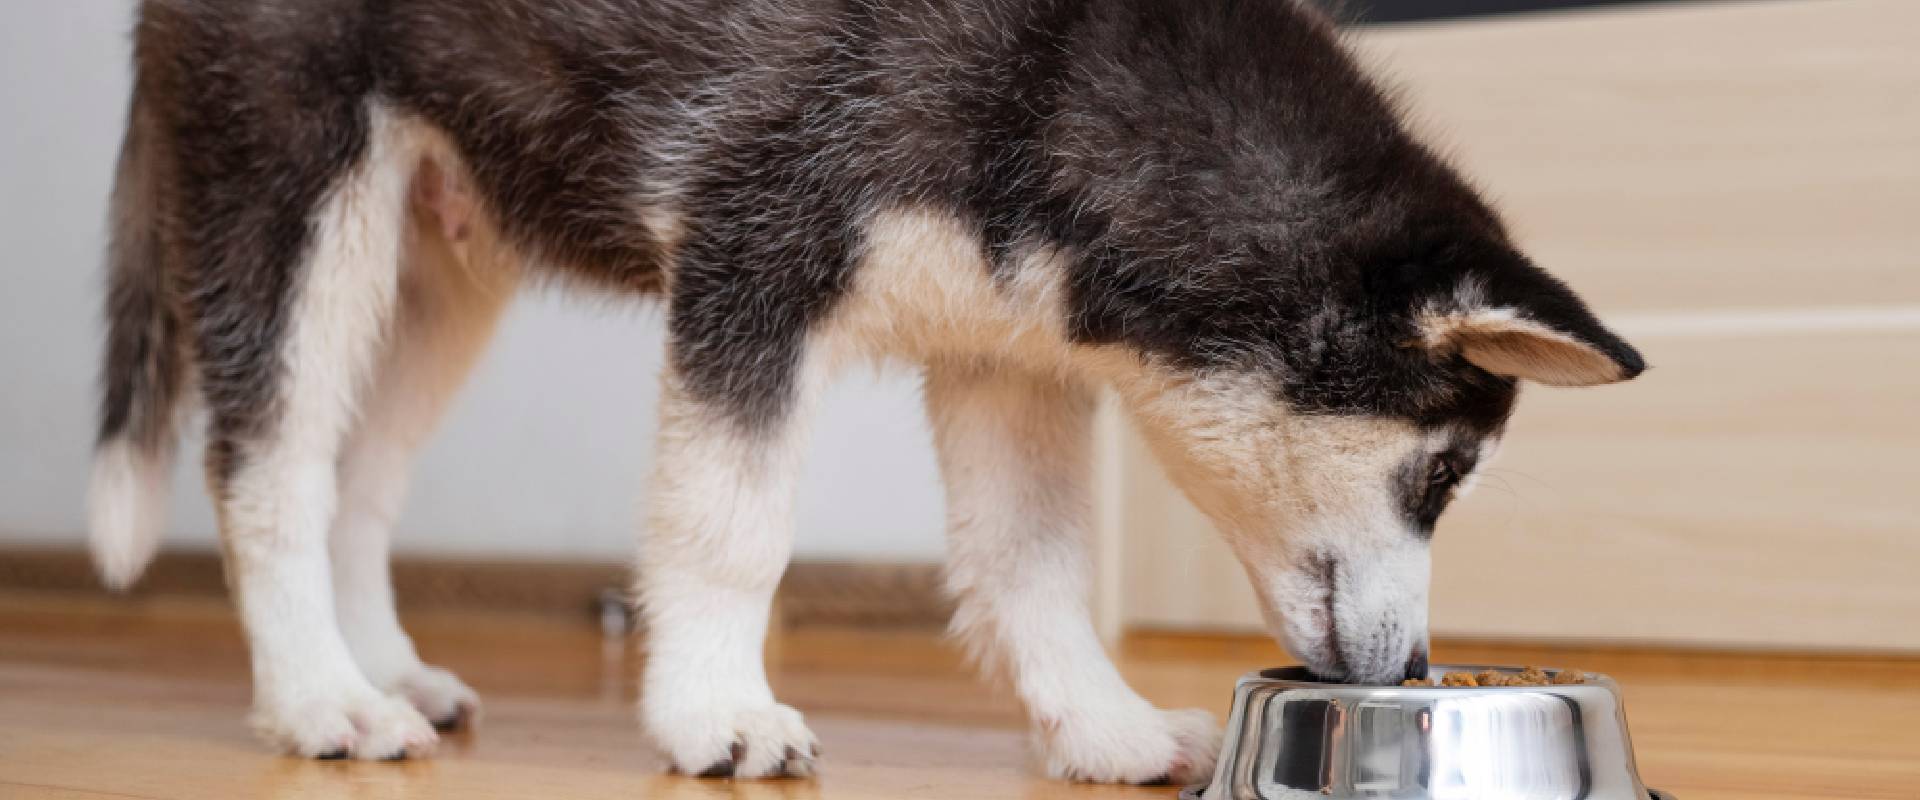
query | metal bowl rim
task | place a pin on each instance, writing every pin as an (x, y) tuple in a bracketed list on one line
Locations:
[(1195, 791), (1266, 677)]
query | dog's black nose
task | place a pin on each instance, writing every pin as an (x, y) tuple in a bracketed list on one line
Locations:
[(1417, 666)]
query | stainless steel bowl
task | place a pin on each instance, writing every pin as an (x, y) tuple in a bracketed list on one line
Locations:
[(1293, 738)]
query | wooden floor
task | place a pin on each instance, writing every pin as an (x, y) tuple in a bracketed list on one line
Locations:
[(103, 698)]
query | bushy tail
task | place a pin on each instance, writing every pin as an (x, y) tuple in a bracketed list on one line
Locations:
[(143, 375)]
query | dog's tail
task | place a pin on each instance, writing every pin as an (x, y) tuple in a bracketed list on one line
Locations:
[(142, 379)]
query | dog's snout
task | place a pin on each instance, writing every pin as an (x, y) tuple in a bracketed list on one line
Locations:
[(1351, 619)]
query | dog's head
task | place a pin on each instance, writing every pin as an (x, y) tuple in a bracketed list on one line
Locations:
[(1333, 324), (1327, 457)]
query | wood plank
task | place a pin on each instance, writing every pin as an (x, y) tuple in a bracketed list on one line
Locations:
[(1688, 155), (1714, 501)]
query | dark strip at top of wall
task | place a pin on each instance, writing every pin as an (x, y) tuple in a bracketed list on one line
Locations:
[(1368, 11)]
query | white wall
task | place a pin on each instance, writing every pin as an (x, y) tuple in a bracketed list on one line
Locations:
[(544, 454)]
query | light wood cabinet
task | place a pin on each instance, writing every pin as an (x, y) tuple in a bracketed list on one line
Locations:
[(1736, 186)]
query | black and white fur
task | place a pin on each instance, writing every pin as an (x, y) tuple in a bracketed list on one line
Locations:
[(323, 206)]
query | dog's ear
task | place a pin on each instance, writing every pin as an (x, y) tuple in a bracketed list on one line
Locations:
[(1526, 324)]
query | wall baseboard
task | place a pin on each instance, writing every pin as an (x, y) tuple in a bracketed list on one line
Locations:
[(813, 593)]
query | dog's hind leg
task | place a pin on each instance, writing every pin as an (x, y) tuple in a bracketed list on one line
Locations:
[(719, 532), (456, 281), (1015, 456), (282, 372)]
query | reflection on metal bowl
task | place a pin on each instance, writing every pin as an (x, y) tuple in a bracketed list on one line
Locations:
[(1291, 737)]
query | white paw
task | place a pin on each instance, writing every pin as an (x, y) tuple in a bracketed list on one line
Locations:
[(1135, 744), (362, 724), (441, 697), (764, 742)]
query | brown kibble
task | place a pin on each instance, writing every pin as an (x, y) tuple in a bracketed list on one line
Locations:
[(1532, 676), (1529, 676), (1417, 682), (1569, 677)]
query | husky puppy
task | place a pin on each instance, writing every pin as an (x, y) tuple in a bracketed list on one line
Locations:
[(1205, 206)]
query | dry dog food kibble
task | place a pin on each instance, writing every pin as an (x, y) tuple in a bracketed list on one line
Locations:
[(1531, 676), (1568, 677)]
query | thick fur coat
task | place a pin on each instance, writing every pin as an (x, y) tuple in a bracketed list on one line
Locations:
[(1205, 206)]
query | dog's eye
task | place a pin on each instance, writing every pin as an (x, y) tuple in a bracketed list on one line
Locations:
[(1427, 493)]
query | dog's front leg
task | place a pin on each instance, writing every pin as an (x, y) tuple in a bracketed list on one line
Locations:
[(1014, 451), (719, 532)]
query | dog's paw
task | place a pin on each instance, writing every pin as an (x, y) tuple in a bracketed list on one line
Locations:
[(442, 698), (361, 724), (1140, 745), (770, 741)]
